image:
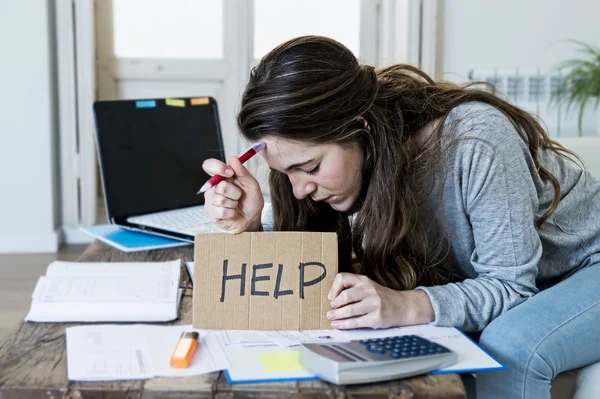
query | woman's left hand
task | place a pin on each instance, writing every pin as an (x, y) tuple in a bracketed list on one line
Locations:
[(358, 302)]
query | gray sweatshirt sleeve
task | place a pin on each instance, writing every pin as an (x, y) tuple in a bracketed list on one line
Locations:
[(493, 182)]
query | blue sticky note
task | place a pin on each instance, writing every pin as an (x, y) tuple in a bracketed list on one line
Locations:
[(145, 104)]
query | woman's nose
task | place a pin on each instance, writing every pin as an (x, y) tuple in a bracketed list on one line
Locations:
[(303, 189)]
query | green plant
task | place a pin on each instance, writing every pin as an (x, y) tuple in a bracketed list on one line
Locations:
[(582, 81)]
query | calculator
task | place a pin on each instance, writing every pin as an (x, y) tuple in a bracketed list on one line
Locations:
[(371, 360)]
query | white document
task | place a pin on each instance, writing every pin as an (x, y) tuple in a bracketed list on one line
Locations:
[(100, 352), (111, 352), (107, 291), (287, 339), (244, 338)]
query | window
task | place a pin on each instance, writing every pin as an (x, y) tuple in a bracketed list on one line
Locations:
[(180, 29), (276, 21)]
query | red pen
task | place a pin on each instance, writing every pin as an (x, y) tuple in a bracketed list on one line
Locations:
[(246, 155)]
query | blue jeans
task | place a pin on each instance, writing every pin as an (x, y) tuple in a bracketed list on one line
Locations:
[(554, 331)]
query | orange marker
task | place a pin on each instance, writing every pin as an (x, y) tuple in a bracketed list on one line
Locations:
[(186, 346)]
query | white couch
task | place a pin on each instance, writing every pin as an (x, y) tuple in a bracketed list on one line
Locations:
[(583, 383)]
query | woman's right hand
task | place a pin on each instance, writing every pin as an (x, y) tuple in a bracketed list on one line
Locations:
[(236, 203)]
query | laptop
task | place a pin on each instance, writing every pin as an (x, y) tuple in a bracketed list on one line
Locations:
[(150, 154)]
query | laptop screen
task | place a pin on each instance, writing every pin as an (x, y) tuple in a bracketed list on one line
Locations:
[(151, 152)]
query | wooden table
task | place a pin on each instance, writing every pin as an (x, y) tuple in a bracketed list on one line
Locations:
[(33, 363)]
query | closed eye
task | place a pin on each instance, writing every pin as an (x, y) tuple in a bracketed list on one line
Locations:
[(314, 170)]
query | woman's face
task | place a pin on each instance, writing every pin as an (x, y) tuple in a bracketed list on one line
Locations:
[(325, 172)]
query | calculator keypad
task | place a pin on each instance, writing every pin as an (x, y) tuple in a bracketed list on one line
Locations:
[(402, 347)]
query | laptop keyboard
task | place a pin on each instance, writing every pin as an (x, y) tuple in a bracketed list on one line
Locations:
[(184, 220)]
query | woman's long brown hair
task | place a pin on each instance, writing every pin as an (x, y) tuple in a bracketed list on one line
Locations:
[(312, 89)]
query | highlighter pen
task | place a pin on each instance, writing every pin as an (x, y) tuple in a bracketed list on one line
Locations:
[(186, 346), (246, 155)]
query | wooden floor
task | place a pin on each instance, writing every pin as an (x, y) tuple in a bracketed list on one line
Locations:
[(18, 275)]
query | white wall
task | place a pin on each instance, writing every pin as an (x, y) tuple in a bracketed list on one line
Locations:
[(512, 33), (28, 128)]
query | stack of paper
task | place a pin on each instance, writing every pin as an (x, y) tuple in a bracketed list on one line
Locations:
[(105, 352), (112, 291)]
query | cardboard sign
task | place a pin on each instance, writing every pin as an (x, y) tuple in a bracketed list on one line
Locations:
[(263, 281)]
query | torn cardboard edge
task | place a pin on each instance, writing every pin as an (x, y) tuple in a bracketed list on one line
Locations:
[(263, 280)]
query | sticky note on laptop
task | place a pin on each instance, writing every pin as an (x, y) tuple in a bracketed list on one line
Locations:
[(175, 102)]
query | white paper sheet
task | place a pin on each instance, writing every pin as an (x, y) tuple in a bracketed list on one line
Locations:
[(244, 338), (98, 353), (111, 352), (287, 339)]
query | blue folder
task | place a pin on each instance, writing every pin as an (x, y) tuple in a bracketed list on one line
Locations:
[(130, 241)]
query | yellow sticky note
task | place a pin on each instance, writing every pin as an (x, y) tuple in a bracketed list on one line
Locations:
[(174, 102), (199, 101), (280, 361)]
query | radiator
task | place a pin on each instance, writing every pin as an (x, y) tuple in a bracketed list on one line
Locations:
[(531, 90)]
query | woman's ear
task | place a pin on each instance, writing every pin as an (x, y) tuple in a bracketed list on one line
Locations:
[(364, 122)]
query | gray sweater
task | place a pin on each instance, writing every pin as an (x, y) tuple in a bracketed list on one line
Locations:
[(490, 200)]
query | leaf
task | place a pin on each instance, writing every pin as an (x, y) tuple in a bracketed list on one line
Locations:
[(581, 82), (586, 47), (580, 118)]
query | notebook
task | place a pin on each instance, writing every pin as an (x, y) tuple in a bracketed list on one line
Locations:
[(150, 154), (130, 241), (107, 292)]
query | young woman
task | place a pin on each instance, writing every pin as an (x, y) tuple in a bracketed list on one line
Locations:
[(452, 207)]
